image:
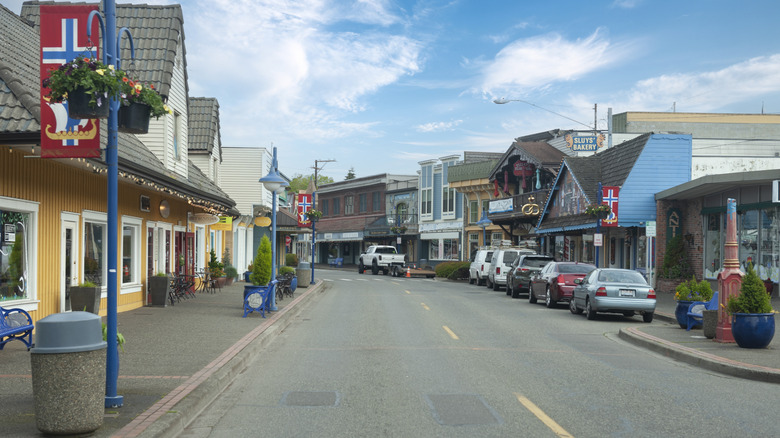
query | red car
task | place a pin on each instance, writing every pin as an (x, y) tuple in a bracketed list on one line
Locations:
[(555, 281)]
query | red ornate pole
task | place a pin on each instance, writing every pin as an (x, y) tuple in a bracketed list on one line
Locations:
[(730, 278)]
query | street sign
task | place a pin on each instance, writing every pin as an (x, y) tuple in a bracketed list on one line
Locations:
[(598, 239), (287, 240), (650, 229)]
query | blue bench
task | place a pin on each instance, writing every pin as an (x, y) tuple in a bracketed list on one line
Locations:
[(337, 262), (15, 324), (695, 315)]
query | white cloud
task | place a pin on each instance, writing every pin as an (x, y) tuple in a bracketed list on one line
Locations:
[(540, 61), (708, 91), (438, 126)]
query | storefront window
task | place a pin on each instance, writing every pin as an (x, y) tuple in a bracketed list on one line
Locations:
[(768, 268), (748, 238), (94, 262), (445, 249), (588, 250), (713, 245), (14, 255)]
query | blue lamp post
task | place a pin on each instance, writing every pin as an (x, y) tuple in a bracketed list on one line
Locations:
[(111, 57), (484, 222), (275, 183)]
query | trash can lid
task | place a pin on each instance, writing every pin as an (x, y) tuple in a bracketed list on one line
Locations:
[(303, 265), (68, 333)]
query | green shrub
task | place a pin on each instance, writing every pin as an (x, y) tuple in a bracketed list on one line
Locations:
[(693, 290), (291, 259), (286, 269), (452, 270), (215, 266), (752, 296), (231, 272), (676, 264), (261, 267)]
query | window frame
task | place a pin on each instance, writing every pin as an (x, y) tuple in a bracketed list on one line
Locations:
[(136, 224), (32, 208)]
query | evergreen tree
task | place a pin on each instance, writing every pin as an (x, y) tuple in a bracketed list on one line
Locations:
[(752, 296), (261, 267), (350, 174)]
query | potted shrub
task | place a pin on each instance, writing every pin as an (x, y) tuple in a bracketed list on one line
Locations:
[(139, 103), (752, 317), (601, 211), (688, 292), (216, 269), (159, 289), (85, 297), (87, 84), (261, 268), (230, 274)]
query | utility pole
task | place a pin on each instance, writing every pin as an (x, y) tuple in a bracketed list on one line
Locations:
[(314, 223), (595, 118)]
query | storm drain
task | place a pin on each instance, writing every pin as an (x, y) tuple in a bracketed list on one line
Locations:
[(461, 409), (311, 398)]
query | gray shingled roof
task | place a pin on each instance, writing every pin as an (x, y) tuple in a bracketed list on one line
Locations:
[(20, 111), (538, 153), (156, 30), (470, 171), (203, 121)]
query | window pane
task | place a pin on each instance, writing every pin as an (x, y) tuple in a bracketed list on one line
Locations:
[(14, 257), (128, 259), (712, 246), (94, 262)]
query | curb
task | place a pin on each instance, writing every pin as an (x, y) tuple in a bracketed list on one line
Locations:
[(171, 415), (698, 358)]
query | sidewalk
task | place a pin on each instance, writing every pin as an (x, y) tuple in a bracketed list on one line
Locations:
[(176, 360)]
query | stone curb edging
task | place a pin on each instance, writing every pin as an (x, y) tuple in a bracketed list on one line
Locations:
[(171, 415), (699, 358)]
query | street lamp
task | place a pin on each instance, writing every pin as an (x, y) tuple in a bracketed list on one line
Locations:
[(275, 183), (502, 101), (484, 222)]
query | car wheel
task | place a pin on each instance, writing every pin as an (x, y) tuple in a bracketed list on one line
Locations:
[(488, 284), (548, 301), (496, 286), (589, 312), (573, 307), (361, 268), (471, 279), (515, 292), (480, 281), (647, 317), (374, 268), (531, 297)]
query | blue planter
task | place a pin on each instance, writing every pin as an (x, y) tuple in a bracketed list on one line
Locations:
[(681, 313), (251, 288), (246, 276), (753, 330)]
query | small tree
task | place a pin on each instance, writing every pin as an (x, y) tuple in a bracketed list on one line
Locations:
[(226, 257), (291, 259), (350, 174), (261, 267), (215, 267), (676, 264), (752, 296)]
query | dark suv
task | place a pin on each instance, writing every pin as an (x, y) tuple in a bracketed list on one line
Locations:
[(518, 280)]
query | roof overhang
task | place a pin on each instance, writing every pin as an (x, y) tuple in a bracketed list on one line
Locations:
[(710, 184)]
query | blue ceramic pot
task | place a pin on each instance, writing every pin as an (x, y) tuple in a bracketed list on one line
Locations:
[(681, 313), (753, 330)]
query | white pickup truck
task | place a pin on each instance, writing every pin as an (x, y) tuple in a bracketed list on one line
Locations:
[(381, 258)]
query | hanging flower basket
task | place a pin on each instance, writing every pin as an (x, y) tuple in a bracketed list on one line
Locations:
[(134, 92), (134, 118), (601, 211), (80, 108)]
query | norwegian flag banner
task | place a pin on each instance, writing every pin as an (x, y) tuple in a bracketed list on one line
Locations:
[(609, 196), (304, 205), (63, 38)]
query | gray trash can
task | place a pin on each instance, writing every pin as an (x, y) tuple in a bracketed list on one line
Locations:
[(69, 373), (303, 272)]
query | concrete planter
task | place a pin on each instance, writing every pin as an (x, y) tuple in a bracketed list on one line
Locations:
[(159, 289), (710, 323), (85, 299)]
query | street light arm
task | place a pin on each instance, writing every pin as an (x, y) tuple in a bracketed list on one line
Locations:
[(502, 101)]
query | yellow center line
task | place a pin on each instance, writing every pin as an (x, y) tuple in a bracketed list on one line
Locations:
[(425, 306), (408, 292), (451, 333), (549, 422)]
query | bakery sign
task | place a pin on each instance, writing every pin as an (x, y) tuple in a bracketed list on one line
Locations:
[(586, 143)]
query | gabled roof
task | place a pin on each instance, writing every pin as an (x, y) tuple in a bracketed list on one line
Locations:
[(156, 30), (538, 153), (203, 122), (20, 115)]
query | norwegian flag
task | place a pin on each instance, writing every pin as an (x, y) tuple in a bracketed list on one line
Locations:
[(304, 205), (63, 38), (609, 196)]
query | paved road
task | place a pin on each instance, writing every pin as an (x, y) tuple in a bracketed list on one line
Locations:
[(375, 356)]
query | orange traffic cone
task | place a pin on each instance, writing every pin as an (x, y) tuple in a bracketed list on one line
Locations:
[(408, 273)]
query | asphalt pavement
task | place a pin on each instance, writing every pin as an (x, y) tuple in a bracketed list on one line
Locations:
[(177, 359)]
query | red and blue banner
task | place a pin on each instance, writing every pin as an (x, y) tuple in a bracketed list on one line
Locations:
[(304, 204), (63, 38), (609, 196)]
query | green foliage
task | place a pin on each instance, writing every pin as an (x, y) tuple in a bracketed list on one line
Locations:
[(226, 257), (87, 284), (231, 272), (752, 297), (120, 340), (161, 274), (261, 267), (301, 182), (453, 270), (215, 266), (291, 259), (99, 80), (136, 92), (350, 174), (693, 290), (676, 264), (15, 268), (286, 270)]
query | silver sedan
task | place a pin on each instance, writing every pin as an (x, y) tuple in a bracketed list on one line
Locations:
[(614, 291)]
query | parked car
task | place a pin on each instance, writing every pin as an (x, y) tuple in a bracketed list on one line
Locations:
[(555, 281), (480, 263), (613, 290), (500, 265), (519, 279)]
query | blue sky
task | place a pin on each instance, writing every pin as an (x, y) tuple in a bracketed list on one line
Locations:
[(379, 85)]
